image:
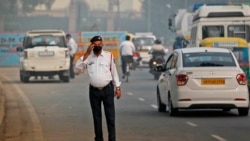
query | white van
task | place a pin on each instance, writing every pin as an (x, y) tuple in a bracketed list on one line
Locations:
[(143, 42), (44, 53), (220, 21)]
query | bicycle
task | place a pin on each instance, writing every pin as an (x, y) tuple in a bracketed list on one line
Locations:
[(128, 64), (127, 71)]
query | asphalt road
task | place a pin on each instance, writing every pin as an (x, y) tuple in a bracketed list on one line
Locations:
[(49, 110)]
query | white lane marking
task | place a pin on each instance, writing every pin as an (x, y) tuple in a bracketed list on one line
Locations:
[(218, 138), (154, 106), (129, 93), (37, 128), (141, 99), (192, 124)]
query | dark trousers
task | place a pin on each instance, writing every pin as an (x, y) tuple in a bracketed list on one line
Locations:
[(105, 96), (71, 67), (126, 59)]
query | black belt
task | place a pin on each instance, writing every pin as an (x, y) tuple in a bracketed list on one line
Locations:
[(101, 88)]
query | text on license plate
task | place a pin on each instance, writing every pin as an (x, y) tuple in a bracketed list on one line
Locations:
[(219, 81), (46, 53)]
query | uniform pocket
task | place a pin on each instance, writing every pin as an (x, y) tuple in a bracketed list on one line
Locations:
[(91, 68), (105, 66)]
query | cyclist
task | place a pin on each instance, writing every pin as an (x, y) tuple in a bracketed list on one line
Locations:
[(127, 49)]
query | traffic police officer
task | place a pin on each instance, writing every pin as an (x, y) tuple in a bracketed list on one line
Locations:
[(104, 85)]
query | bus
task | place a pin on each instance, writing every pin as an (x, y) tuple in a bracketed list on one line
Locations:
[(220, 21)]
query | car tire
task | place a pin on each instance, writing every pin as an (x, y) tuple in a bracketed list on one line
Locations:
[(161, 106), (171, 110), (65, 79), (21, 76), (26, 79), (226, 109), (243, 111)]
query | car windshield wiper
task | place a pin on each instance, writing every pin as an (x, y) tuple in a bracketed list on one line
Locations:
[(205, 64)]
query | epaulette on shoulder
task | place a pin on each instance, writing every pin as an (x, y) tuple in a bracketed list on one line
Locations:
[(107, 52)]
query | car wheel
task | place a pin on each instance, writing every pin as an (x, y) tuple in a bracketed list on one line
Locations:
[(161, 106), (21, 76), (226, 109), (243, 111), (171, 110), (26, 79), (65, 79)]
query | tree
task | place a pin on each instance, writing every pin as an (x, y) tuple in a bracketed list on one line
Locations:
[(8, 10)]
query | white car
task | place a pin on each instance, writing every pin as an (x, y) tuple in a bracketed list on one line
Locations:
[(202, 78), (44, 53)]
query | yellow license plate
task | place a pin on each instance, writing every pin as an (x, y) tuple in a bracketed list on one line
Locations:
[(213, 81)]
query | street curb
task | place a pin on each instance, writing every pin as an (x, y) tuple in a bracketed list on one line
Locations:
[(2, 104)]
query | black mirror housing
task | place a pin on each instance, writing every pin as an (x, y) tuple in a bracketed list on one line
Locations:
[(159, 68), (19, 49)]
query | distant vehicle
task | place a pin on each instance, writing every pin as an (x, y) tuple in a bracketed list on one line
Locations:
[(180, 23), (220, 21), (45, 53), (143, 43), (202, 78)]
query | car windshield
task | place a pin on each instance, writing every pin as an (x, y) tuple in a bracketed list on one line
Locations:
[(144, 41), (45, 40), (208, 59)]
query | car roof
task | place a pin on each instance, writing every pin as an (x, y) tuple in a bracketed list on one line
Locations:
[(45, 32), (202, 49)]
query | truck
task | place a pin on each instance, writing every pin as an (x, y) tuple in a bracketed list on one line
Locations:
[(229, 20), (180, 23)]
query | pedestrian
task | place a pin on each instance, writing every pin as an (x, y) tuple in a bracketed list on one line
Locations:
[(127, 50), (104, 85), (71, 43)]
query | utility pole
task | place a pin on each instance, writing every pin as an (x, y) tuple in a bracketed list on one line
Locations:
[(72, 16), (110, 22), (118, 15), (149, 16)]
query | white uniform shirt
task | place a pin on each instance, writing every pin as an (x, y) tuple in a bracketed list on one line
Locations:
[(101, 69), (72, 47), (127, 48)]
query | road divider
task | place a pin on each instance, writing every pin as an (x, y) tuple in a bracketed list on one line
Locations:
[(192, 124), (218, 138)]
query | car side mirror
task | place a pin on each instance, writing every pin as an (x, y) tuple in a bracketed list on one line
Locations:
[(159, 68), (19, 49)]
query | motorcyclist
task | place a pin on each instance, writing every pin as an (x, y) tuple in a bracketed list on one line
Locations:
[(157, 51)]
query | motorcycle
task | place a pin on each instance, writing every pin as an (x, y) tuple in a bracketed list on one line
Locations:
[(137, 61), (154, 62)]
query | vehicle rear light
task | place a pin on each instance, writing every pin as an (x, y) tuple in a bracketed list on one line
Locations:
[(241, 78), (185, 99), (181, 79), (25, 54), (135, 54), (240, 99)]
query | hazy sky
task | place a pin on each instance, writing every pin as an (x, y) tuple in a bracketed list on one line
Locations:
[(125, 5)]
